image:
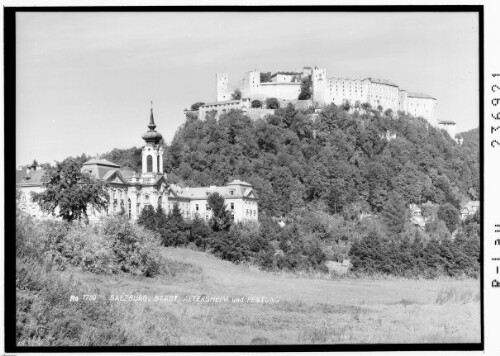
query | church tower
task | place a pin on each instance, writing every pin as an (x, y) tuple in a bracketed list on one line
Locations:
[(152, 152)]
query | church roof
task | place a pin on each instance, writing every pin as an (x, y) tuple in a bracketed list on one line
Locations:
[(151, 136), (101, 162), (127, 172)]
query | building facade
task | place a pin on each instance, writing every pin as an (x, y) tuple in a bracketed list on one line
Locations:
[(130, 192), (286, 86)]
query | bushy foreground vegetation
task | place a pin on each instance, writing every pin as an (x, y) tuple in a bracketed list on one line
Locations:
[(111, 246), (311, 237), (45, 314)]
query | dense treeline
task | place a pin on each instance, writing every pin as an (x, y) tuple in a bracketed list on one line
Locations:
[(341, 181), (293, 158)]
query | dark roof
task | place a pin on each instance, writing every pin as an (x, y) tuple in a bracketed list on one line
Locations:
[(382, 81), (127, 172), (285, 73), (101, 162), (447, 122), (419, 95), (31, 178)]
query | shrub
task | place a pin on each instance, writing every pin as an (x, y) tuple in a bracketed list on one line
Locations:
[(196, 106), (136, 250), (272, 103), (229, 246), (236, 95), (199, 233), (256, 104)]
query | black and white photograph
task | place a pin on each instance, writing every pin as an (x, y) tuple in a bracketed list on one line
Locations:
[(209, 177)]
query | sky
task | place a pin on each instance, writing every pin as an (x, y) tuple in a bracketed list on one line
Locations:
[(85, 80)]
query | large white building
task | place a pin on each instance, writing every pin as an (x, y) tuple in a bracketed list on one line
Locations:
[(285, 85), (131, 191)]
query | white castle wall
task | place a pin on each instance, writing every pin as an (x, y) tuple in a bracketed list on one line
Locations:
[(342, 89), (327, 90), (425, 107)]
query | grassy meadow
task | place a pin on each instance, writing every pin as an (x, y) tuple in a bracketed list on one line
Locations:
[(309, 310)]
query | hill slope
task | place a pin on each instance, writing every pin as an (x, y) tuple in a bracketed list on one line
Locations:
[(293, 158)]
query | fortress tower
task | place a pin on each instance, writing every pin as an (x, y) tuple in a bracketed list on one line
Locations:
[(319, 84), (253, 85), (152, 152), (223, 87)]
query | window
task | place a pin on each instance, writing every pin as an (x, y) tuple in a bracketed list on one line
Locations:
[(232, 206), (197, 207), (231, 192), (149, 163), (207, 207)]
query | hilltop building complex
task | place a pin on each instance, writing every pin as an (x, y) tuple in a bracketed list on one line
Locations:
[(286, 87), (131, 192)]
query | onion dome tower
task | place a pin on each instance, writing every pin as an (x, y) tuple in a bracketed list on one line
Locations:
[(152, 152)]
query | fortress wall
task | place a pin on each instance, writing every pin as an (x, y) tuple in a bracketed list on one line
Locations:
[(299, 104), (258, 113), (385, 95), (425, 107), (287, 91), (342, 89)]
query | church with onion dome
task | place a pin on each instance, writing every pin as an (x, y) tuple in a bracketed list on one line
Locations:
[(131, 191)]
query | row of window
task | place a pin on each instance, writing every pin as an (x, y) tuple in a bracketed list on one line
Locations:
[(249, 212)]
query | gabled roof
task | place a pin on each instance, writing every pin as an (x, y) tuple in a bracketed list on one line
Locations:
[(127, 172), (114, 176), (101, 162), (382, 81), (419, 95)]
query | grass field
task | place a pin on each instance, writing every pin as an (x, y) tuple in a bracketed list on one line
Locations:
[(308, 311)]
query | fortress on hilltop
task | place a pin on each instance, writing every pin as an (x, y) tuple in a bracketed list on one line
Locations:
[(286, 87)]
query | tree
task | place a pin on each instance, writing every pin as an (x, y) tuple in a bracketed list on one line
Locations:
[(450, 215), (256, 104), (265, 77), (272, 103), (380, 108), (71, 191), (366, 106), (346, 105), (236, 95), (221, 218), (174, 230), (388, 112), (147, 218), (395, 213), (197, 105), (306, 88), (199, 233)]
